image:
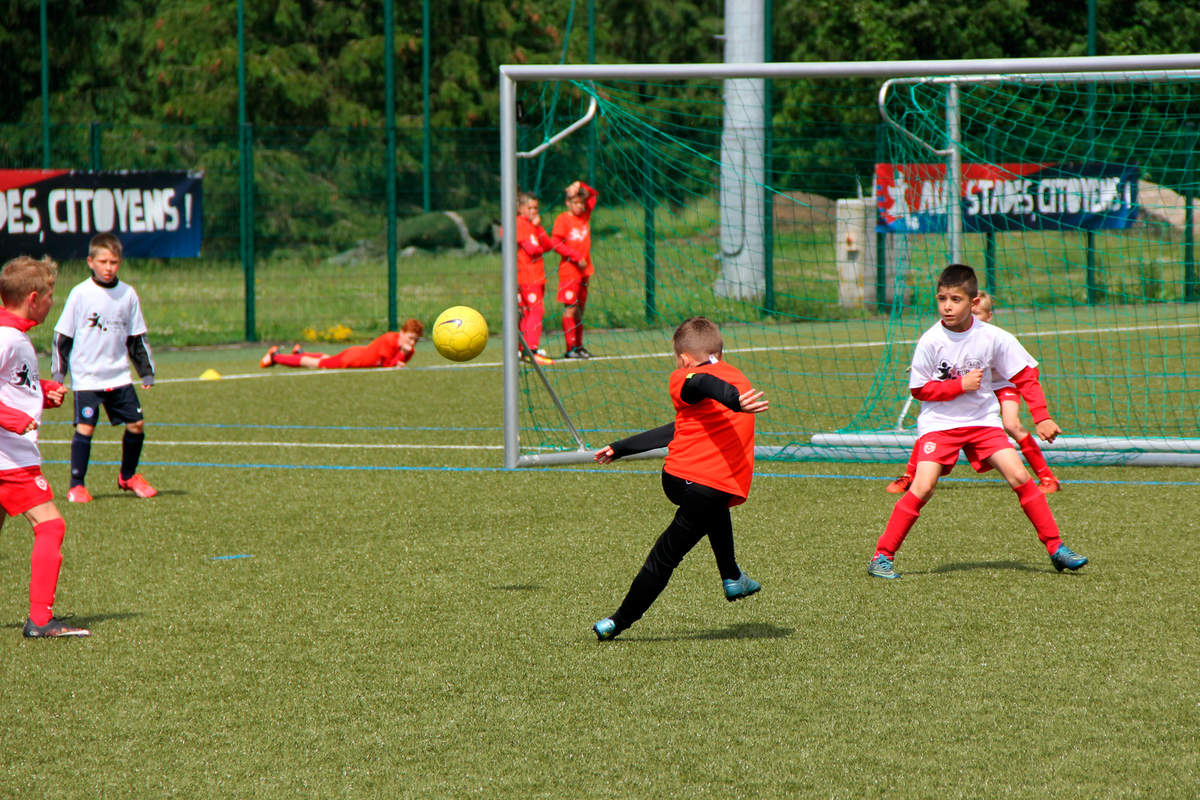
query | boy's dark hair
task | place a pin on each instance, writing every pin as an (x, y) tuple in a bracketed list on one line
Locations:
[(23, 275), (106, 241), (413, 326), (525, 197), (699, 337), (959, 275)]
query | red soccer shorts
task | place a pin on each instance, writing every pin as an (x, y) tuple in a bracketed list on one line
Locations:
[(22, 489), (1008, 393), (573, 292), (978, 443)]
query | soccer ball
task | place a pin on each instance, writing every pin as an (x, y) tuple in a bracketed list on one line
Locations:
[(460, 333)]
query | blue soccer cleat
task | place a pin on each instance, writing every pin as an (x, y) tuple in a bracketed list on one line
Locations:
[(1066, 558), (605, 629), (882, 567), (742, 586)]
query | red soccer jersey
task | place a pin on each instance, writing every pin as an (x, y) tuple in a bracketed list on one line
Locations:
[(575, 231), (713, 445), (531, 267)]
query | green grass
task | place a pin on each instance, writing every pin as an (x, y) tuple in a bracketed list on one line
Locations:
[(415, 622)]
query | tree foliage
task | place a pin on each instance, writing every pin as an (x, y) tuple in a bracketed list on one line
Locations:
[(319, 62)]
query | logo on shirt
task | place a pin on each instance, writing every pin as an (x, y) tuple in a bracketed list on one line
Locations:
[(25, 376), (578, 234), (41, 484), (929, 448), (94, 321), (945, 371)]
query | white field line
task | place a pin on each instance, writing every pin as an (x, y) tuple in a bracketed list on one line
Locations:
[(327, 445), (664, 354)]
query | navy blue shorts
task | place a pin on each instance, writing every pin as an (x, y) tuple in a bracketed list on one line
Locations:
[(121, 404)]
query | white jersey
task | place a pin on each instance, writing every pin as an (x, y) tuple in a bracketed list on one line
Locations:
[(943, 354), (20, 388), (99, 320)]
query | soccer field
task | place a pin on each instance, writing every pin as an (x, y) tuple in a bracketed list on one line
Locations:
[(340, 593)]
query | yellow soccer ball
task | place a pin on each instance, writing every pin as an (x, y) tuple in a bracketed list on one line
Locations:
[(460, 333)]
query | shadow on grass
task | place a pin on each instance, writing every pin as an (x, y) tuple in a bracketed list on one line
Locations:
[(518, 587), (972, 565), (81, 621), (741, 630)]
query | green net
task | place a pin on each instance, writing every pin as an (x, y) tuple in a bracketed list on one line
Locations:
[(815, 239)]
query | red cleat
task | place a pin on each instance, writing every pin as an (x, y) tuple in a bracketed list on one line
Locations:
[(1048, 484), (138, 485), (900, 485), (269, 359), (79, 494)]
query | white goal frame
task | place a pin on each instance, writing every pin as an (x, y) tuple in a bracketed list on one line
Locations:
[(1090, 67)]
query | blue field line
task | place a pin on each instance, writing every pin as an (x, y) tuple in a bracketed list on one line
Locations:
[(597, 471)]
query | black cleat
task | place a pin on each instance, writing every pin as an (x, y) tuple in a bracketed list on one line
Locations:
[(54, 628)]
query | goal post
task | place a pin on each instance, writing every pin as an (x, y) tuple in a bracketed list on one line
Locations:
[(851, 287)]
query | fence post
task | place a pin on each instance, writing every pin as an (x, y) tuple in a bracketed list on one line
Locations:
[(389, 57), (246, 185), (96, 146)]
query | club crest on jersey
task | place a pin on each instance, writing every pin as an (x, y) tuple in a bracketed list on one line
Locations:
[(40, 482), (94, 321), (24, 377), (929, 448)]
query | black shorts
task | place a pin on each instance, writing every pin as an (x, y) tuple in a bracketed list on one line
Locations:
[(120, 403)]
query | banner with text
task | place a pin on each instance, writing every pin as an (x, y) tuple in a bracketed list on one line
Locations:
[(912, 198), (155, 214)]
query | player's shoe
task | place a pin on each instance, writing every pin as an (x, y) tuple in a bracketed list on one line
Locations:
[(1066, 558), (742, 586), (269, 359), (297, 349), (1048, 484), (138, 485), (54, 628), (900, 485), (79, 494), (577, 352), (882, 567), (605, 629)]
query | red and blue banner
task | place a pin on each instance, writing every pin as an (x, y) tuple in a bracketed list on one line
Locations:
[(914, 198), (155, 214)]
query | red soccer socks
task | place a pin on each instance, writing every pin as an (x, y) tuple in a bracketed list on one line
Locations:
[(904, 516), (44, 564)]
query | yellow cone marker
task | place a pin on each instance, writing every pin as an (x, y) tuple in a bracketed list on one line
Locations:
[(210, 374)]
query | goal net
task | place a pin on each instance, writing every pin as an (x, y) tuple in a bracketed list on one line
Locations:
[(809, 213)]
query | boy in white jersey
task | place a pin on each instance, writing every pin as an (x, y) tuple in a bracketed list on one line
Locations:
[(101, 331), (27, 290), (1010, 409), (954, 371)]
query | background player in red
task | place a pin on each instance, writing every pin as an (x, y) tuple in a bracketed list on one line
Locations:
[(571, 226), (953, 368), (532, 244), (392, 349), (27, 290), (707, 470), (1010, 418)]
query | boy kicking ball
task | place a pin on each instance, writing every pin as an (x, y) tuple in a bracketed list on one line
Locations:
[(954, 371), (707, 471)]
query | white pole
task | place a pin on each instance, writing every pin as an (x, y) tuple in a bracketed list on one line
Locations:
[(743, 270), (954, 221), (508, 265)]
